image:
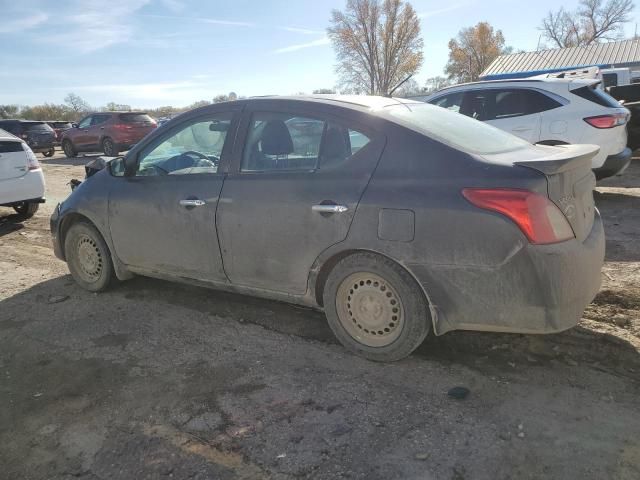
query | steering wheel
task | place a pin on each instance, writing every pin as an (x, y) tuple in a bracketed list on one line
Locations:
[(204, 161)]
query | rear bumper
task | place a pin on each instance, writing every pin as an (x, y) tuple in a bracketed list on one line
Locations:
[(614, 164), (539, 289), (29, 187)]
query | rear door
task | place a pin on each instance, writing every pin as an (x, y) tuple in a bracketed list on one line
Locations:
[(291, 194), (136, 125)]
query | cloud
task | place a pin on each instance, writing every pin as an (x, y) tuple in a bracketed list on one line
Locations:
[(97, 27), (215, 21), (439, 11), (300, 46), (154, 91), (173, 5), (24, 23), (303, 31)]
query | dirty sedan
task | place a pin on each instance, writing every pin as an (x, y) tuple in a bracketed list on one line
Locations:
[(396, 218)]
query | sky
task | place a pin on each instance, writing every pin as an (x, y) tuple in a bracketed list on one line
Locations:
[(149, 53)]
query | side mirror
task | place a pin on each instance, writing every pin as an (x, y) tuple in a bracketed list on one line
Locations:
[(117, 167)]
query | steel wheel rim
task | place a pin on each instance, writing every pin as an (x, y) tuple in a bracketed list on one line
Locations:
[(108, 147), (370, 309), (89, 258), (67, 148)]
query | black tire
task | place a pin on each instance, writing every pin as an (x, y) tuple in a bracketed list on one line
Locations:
[(88, 257), (26, 210), (49, 153), (68, 149), (109, 147), (413, 320)]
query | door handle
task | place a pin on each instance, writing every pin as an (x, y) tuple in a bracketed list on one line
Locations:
[(521, 129), (192, 202), (329, 208)]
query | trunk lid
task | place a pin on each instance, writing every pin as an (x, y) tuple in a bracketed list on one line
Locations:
[(13, 159), (570, 182)]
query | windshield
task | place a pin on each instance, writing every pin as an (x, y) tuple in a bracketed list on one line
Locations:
[(454, 129)]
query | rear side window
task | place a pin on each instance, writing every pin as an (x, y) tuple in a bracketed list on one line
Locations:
[(99, 119), (135, 118), (10, 147), (281, 141), (518, 102), (595, 95), (455, 130)]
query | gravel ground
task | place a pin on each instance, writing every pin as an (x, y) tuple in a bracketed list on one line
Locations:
[(158, 380)]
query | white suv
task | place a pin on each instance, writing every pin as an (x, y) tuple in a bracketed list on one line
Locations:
[(548, 111), (21, 179)]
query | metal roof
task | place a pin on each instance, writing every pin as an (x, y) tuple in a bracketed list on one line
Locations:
[(625, 53)]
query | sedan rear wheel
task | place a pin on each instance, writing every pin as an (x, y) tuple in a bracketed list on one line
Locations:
[(375, 308), (88, 257)]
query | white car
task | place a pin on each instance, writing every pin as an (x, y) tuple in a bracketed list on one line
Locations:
[(548, 111), (21, 179)]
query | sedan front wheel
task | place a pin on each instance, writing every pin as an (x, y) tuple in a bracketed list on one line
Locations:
[(88, 257)]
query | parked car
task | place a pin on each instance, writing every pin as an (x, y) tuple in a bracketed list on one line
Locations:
[(58, 128), (39, 136), (548, 111), (21, 179), (395, 217), (109, 132)]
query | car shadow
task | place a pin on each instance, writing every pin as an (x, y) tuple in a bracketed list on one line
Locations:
[(9, 222), (490, 353), (621, 217)]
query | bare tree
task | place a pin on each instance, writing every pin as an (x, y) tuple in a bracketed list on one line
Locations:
[(378, 44), (593, 21), (76, 103), (433, 84), (324, 91), (472, 51)]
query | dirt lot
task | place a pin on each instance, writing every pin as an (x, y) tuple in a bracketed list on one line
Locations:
[(158, 380)]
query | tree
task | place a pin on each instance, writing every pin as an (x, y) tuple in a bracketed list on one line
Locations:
[(198, 104), (114, 107), (408, 89), (378, 44), (593, 21), (76, 103), (324, 91), (472, 51), (9, 111), (434, 84)]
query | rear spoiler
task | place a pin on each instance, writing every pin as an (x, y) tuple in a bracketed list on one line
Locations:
[(573, 85), (561, 158)]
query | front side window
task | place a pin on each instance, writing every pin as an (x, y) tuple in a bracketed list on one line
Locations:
[(479, 104), (196, 147), (99, 119), (451, 102), (85, 122)]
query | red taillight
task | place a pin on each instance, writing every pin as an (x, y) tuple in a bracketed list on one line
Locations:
[(538, 218), (122, 126), (607, 121)]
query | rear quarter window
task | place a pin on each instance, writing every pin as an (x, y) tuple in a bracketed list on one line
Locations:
[(595, 95)]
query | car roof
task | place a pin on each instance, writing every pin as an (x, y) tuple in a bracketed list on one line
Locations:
[(17, 120), (538, 82)]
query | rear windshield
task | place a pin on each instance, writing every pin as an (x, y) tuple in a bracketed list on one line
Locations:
[(596, 95), (454, 129), (135, 118), (37, 127)]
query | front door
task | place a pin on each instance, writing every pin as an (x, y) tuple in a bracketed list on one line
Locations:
[(291, 194), (515, 113), (96, 130), (162, 218), (81, 135)]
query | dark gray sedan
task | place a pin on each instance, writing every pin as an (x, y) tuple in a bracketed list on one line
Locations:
[(396, 218)]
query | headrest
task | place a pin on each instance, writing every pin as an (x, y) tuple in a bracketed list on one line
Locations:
[(276, 139)]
